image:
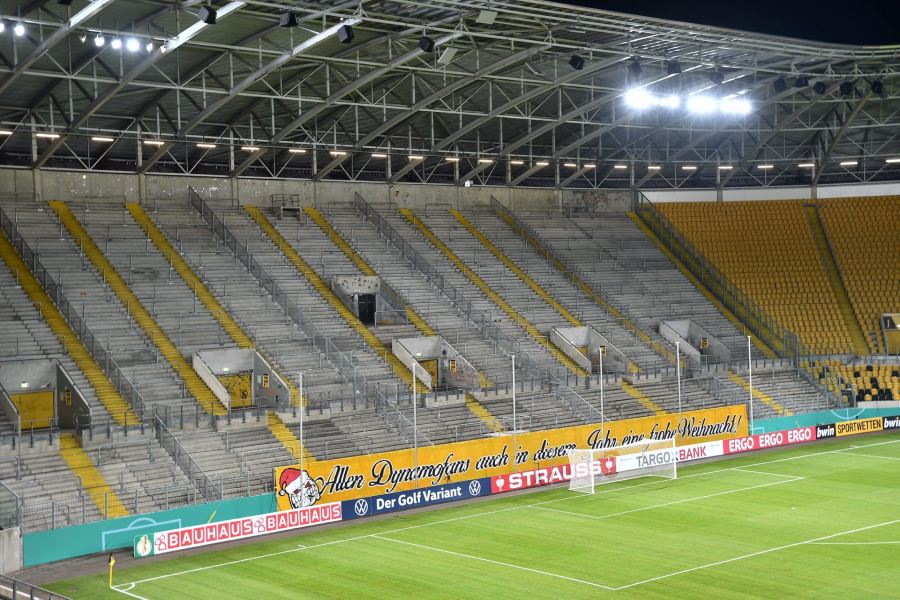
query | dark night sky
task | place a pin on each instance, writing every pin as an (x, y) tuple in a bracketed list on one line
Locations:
[(861, 22)]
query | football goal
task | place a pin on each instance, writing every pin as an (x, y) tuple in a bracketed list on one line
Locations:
[(647, 458)]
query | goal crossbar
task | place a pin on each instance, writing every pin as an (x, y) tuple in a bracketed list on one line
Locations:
[(645, 458)]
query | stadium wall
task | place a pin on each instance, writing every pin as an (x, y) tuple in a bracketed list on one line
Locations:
[(62, 185), (773, 193)]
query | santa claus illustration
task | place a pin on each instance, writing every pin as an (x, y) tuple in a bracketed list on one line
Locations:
[(299, 487)]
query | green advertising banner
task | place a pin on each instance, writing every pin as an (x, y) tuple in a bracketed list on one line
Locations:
[(101, 536), (820, 418)]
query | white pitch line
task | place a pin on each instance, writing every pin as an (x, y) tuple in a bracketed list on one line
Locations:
[(743, 470), (126, 590), (664, 504), (849, 453), (758, 553), (851, 543), (481, 514), (497, 562)]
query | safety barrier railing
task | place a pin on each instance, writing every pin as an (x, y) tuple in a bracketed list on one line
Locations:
[(465, 306), (77, 322), (347, 371), (577, 276), (186, 462), (10, 587)]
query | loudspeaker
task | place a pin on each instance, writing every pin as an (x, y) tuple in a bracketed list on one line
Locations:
[(345, 34), (426, 44), (820, 88), (801, 82), (288, 19), (207, 14), (577, 62), (878, 88), (779, 84), (846, 88)]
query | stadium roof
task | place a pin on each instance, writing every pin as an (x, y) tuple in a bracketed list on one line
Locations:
[(496, 101)]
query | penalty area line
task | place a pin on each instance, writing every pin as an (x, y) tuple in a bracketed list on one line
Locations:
[(497, 562), (759, 553)]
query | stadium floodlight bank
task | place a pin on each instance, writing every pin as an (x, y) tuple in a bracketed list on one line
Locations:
[(646, 458)]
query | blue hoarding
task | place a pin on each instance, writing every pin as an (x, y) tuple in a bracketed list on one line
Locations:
[(438, 494)]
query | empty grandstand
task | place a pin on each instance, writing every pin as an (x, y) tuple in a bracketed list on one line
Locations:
[(266, 257)]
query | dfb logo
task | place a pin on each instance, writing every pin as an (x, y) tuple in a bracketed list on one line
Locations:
[(474, 488), (361, 507)]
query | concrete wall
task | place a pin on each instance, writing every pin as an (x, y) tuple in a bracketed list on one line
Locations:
[(775, 193), (63, 185), (10, 550)]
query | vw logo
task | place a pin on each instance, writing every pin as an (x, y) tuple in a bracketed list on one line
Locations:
[(361, 507), (474, 488)]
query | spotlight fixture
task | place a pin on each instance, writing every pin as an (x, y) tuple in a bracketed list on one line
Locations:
[(250, 148), (116, 44), (149, 46), (846, 88), (99, 40), (345, 34), (206, 146), (848, 163), (24, 385), (154, 142), (701, 104), (288, 19), (673, 67), (820, 88), (82, 38), (19, 29), (207, 14), (801, 82), (132, 45), (426, 44), (877, 88), (717, 77), (297, 151), (379, 155), (779, 85), (634, 69), (576, 62), (106, 140), (3, 27)]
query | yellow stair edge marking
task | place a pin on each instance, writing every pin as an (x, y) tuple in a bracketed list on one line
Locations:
[(107, 393), (92, 479), (325, 291), (837, 284), (512, 266), (142, 316), (641, 397), (759, 394), (215, 308), (340, 242), (415, 318), (287, 438), (585, 287), (760, 345), (490, 293)]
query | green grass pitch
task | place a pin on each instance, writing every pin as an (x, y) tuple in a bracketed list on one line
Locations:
[(816, 521)]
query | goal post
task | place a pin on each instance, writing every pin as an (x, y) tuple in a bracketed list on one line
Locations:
[(646, 458)]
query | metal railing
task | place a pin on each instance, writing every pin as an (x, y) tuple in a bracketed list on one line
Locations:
[(10, 587), (489, 331), (186, 462), (580, 279), (94, 346), (10, 506), (294, 311)]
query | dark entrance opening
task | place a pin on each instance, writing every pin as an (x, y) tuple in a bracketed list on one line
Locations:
[(367, 309)]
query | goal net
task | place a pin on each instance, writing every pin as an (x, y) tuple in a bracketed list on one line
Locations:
[(647, 458)]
